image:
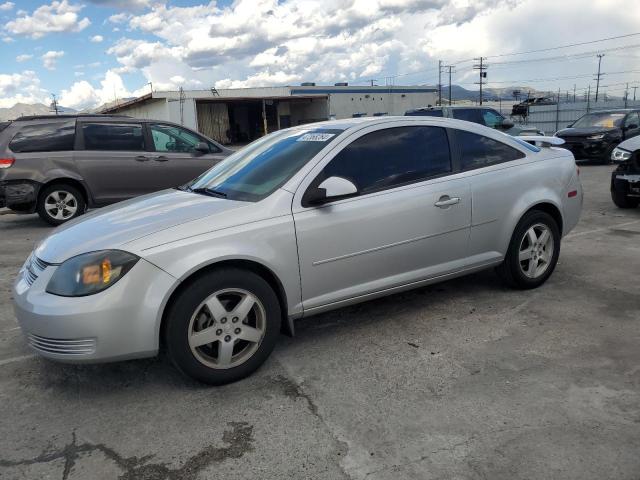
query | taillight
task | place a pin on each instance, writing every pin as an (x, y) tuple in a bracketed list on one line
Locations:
[(6, 162)]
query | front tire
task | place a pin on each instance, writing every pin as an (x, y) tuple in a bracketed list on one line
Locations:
[(223, 326), (60, 203), (533, 251), (623, 201)]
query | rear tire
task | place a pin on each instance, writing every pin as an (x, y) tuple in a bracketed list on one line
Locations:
[(59, 203), (623, 201), (222, 326), (533, 251)]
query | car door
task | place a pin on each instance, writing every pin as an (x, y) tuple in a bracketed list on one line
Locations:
[(176, 158), (113, 159), (631, 125), (409, 221)]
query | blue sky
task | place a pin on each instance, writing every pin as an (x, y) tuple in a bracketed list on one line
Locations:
[(89, 52)]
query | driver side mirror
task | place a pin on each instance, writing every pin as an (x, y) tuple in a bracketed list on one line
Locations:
[(506, 124), (201, 148), (332, 188)]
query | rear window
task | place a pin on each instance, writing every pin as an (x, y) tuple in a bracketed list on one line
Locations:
[(44, 137), (105, 136), (424, 113)]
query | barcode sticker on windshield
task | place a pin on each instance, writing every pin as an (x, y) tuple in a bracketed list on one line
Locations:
[(315, 137)]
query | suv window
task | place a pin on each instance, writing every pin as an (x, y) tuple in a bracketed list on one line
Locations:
[(478, 151), (632, 119), (492, 118), (469, 114), (170, 138), (112, 136), (45, 137), (392, 157)]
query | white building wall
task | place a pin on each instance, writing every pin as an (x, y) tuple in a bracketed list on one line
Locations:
[(189, 116), (156, 110), (344, 105)]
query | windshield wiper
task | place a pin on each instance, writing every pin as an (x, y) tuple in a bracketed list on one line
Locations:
[(208, 191)]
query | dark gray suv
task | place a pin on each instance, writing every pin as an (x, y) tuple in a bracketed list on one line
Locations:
[(58, 166)]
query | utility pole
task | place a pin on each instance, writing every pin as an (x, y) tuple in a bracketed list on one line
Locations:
[(574, 93), (482, 68), (440, 82), (450, 67), (634, 93), (626, 95), (598, 75), (588, 98)]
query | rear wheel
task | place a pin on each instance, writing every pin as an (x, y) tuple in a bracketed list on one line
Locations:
[(223, 326), (623, 201), (60, 203), (533, 251)]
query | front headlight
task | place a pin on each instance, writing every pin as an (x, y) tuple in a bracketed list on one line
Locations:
[(620, 155), (90, 273), (597, 136)]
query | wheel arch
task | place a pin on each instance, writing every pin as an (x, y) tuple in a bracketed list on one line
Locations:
[(549, 208), (250, 265)]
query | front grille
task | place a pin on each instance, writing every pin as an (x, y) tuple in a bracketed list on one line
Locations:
[(81, 346), (33, 269)]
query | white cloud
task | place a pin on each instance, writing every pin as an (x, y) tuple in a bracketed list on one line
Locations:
[(97, 38), (6, 6), (8, 40), (83, 95), (23, 58), (127, 4), (21, 88), (119, 17), (50, 59), (59, 16)]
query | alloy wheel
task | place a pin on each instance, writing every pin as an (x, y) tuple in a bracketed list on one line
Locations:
[(61, 205), (536, 250), (227, 328)]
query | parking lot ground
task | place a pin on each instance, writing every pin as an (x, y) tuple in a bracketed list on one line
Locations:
[(461, 380)]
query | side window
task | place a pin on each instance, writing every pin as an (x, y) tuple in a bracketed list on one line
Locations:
[(169, 138), (478, 151), (392, 157), (632, 119), (45, 137), (492, 118), (112, 136), (468, 114)]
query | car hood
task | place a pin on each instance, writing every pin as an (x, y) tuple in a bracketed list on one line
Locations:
[(585, 131), (115, 226), (631, 144)]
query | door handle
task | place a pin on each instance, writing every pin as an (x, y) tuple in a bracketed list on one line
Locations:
[(446, 201), (141, 158), (161, 158)]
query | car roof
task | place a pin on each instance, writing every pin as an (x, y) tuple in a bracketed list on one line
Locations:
[(66, 116)]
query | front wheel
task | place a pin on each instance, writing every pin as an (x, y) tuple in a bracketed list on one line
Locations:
[(223, 326), (533, 251)]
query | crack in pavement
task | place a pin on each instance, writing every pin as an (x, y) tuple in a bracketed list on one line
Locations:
[(239, 441)]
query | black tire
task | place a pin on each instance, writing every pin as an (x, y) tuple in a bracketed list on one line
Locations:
[(180, 313), (623, 201), (69, 192), (511, 270)]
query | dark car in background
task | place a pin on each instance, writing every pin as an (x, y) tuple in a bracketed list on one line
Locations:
[(486, 116), (594, 135), (58, 166), (625, 179), (522, 109)]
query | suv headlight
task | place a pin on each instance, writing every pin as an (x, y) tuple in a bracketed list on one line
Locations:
[(90, 273), (620, 155), (597, 136)]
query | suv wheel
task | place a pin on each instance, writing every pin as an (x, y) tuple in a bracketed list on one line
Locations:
[(223, 326), (60, 203), (533, 251), (623, 201)]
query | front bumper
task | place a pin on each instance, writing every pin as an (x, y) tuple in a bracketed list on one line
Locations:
[(19, 194), (626, 183), (584, 149), (119, 323)]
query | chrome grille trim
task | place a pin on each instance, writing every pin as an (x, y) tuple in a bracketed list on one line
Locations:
[(81, 346), (33, 269)]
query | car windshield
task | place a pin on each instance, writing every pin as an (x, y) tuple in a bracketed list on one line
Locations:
[(263, 166), (603, 119)]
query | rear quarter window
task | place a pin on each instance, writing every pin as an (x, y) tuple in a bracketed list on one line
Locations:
[(44, 137), (477, 151)]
